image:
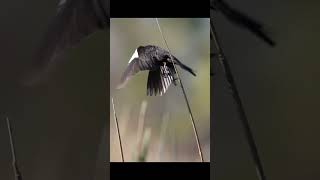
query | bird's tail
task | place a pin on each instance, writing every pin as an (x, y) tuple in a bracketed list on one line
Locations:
[(185, 67)]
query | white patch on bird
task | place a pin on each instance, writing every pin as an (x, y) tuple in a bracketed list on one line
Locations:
[(135, 55)]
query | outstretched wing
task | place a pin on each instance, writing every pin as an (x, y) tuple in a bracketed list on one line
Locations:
[(159, 81), (135, 65), (74, 21)]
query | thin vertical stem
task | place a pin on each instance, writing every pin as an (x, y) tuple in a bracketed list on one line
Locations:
[(17, 173), (185, 95), (118, 130), (240, 109)]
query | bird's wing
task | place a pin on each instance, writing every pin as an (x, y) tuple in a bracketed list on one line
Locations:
[(74, 21), (158, 82), (134, 66)]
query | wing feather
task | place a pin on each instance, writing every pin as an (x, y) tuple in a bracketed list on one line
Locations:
[(158, 82), (133, 68)]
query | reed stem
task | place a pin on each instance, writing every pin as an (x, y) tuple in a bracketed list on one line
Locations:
[(237, 100), (118, 130), (17, 173), (184, 94)]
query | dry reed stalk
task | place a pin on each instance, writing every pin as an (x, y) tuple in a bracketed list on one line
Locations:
[(240, 108), (118, 130), (17, 174), (185, 95), (141, 125), (145, 145)]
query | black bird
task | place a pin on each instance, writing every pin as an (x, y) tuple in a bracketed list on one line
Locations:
[(74, 21), (161, 70), (242, 20)]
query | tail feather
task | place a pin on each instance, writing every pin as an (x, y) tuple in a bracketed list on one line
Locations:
[(188, 69), (185, 67)]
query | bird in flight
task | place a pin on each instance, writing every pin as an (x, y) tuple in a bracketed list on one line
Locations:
[(161, 70), (74, 21)]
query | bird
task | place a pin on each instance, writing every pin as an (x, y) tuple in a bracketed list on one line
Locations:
[(74, 21), (242, 20), (160, 66)]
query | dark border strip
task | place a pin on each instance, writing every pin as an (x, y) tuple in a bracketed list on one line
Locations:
[(160, 170), (159, 8)]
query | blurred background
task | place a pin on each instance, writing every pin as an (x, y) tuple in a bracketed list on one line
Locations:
[(279, 88), (59, 125), (171, 134)]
